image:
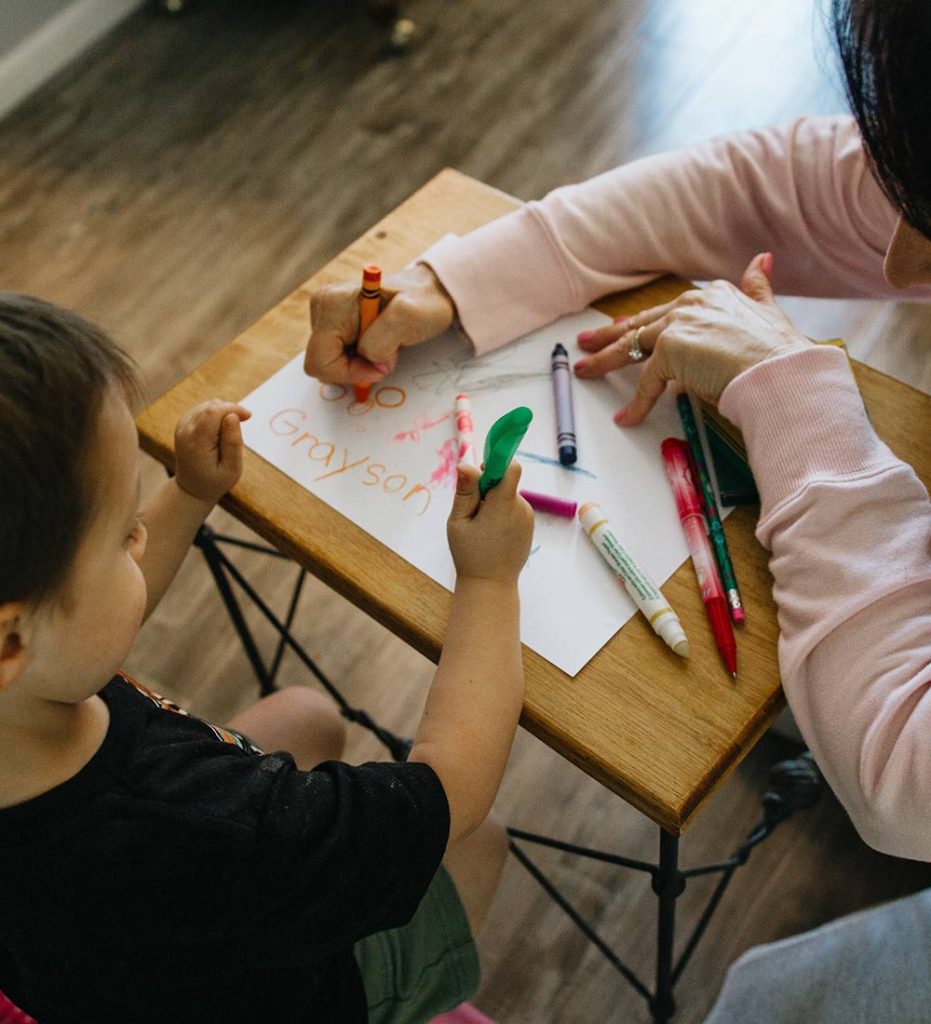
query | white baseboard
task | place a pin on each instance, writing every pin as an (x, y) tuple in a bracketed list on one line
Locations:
[(59, 41)]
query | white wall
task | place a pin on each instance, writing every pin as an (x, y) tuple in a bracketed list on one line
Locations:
[(40, 37)]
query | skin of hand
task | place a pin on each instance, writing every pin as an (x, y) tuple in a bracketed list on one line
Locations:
[(208, 449), (489, 539), (701, 340), (208, 462), (415, 307)]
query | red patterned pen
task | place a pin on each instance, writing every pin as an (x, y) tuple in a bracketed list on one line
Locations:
[(688, 505)]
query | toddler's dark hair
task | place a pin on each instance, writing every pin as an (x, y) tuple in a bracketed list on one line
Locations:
[(54, 371)]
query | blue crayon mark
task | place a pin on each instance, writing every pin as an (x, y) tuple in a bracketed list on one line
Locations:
[(554, 462)]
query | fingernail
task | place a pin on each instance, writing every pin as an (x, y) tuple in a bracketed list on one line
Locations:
[(580, 364), (767, 263), (621, 319), (382, 368), (585, 336), (620, 416)]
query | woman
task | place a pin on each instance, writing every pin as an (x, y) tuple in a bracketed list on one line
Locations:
[(833, 206)]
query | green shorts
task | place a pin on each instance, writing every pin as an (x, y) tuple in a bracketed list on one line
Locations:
[(427, 967)]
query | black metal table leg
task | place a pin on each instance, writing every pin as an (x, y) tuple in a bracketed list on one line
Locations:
[(793, 785), (668, 884), (205, 540)]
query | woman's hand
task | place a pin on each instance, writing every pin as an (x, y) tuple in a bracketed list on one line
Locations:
[(415, 307), (702, 340), (208, 449)]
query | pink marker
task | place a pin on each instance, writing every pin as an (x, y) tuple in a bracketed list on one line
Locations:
[(548, 503), (465, 430), (678, 470)]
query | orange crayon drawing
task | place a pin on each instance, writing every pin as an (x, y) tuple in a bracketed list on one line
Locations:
[(387, 396)]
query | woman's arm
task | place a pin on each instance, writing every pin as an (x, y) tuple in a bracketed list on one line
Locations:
[(802, 191), (849, 526)]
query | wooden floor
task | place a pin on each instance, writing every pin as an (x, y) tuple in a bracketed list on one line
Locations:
[(187, 173)]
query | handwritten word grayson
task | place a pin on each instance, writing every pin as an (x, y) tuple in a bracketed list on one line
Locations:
[(288, 423)]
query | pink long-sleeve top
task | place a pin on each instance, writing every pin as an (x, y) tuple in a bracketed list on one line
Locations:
[(848, 524)]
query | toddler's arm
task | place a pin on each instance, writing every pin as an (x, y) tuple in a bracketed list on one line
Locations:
[(208, 462), (475, 701)]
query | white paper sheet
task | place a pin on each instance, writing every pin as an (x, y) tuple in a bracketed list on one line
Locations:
[(389, 466)]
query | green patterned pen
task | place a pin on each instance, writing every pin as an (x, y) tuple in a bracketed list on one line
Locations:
[(715, 528)]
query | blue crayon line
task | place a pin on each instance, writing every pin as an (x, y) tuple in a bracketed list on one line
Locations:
[(555, 462)]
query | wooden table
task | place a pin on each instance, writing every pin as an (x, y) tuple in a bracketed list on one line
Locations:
[(660, 732)]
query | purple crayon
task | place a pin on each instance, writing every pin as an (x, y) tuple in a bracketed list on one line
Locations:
[(548, 503), (565, 420)]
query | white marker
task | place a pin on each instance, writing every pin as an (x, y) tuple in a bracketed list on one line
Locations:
[(645, 595), (465, 430)]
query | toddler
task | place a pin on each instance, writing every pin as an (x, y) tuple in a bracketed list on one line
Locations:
[(157, 868)]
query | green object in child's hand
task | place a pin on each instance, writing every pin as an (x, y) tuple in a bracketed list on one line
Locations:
[(502, 442)]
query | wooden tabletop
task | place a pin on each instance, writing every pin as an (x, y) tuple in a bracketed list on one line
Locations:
[(660, 732)]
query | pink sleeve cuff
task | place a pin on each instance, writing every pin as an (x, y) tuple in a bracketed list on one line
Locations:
[(500, 298), (802, 420)]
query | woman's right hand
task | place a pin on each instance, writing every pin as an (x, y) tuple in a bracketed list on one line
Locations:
[(415, 307), (489, 539)]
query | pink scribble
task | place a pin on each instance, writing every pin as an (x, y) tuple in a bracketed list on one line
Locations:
[(447, 461), (421, 424)]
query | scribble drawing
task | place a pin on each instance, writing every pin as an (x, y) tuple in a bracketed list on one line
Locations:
[(547, 461), (447, 460), (421, 424), (494, 372), (473, 379), (442, 377)]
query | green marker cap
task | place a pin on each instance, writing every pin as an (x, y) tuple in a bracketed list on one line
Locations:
[(502, 442)]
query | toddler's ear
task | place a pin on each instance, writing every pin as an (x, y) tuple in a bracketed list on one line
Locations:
[(14, 656)]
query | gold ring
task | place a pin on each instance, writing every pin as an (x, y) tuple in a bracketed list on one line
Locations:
[(636, 353)]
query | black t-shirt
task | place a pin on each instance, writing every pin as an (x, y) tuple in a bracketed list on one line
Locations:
[(183, 876)]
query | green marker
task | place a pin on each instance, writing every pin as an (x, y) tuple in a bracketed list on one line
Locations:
[(502, 442)]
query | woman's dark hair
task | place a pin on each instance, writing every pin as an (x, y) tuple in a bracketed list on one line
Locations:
[(885, 48), (54, 371)]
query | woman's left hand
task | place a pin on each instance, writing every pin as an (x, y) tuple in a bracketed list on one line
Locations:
[(702, 340)]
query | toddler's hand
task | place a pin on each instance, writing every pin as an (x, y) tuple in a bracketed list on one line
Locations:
[(208, 449), (489, 539)]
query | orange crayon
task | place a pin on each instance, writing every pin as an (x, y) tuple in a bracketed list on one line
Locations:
[(369, 308)]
